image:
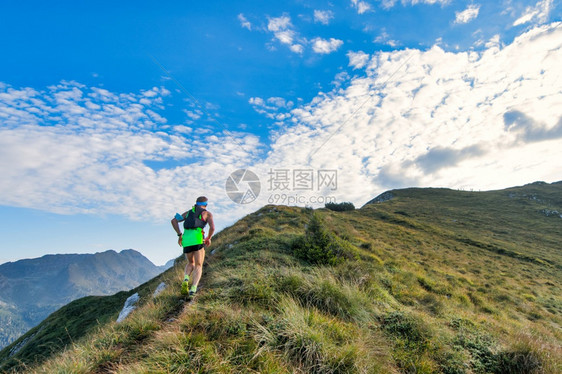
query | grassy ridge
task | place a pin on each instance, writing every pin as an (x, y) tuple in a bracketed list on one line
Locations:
[(430, 281), (65, 326)]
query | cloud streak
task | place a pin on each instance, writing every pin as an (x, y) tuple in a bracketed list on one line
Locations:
[(412, 117), (75, 149), (323, 16), (538, 14), (439, 121), (357, 60), (282, 29), (326, 46), (284, 32), (244, 22), (361, 6), (529, 130), (468, 14), (390, 3), (439, 157)]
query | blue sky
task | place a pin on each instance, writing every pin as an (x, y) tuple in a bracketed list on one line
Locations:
[(113, 116)]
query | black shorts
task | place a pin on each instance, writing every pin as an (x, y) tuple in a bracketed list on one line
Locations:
[(193, 248)]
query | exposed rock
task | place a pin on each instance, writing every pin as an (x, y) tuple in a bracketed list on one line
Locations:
[(161, 287), (548, 213), (21, 344), (513, 195), (385, 196), (128, 307)]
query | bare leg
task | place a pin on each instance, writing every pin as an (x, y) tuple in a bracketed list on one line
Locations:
[(198, 258), (190, 264)]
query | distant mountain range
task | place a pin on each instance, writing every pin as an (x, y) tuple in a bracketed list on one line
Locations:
[(31, 289)]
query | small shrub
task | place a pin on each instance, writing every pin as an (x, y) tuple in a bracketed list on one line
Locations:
[(366, 245), (432, 303), (408, 328), (412, 340), (321, 290), (480, 347), (253, 291), (290, 283), (340, 207), (519, 361), (319, 246), (452, 362)]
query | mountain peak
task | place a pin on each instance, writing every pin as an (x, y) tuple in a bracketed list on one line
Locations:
[(33, 288)]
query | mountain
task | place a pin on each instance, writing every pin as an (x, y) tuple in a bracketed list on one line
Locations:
[(423, 280), (31, 289), (167, 265)]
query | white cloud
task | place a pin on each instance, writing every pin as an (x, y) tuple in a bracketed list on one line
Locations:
[(468, 14), (183, 129), (357, 59), (340, 78), (435, 118), (280, 102), (282, 29), (74, 149), (387, 4), (480, 120), (193, 114), (384, 38), (323, 16), (244, 22), (494, 42), (430, 2), (279, 23), (361, 6), (297, 48), (390, 3), (285, 36), (324, 46), (539, 13), (256, 101), (271, 106)]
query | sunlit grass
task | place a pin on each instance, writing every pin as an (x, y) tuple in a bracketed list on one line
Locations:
[(431, 282)]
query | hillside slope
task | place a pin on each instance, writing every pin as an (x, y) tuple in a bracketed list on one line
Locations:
[(430, 281), (31, 289)]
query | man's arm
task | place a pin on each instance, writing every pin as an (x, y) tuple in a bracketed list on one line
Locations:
[(211, 228), (175, 225)]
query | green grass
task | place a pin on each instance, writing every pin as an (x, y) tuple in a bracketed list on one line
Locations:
[(62, 327), (66, 326), (432, 281)]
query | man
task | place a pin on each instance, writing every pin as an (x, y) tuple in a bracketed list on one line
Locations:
[(193, 241)]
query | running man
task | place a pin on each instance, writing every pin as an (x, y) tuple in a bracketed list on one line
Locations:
[(193, 241)]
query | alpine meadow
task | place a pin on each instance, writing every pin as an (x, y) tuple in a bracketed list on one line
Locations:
[(281, 187), (418, 280)]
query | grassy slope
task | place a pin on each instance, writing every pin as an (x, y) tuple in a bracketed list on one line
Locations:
[(433, 281), (66, 325)]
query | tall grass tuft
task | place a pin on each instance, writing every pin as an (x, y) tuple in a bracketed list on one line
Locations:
[(320, 246), (315, 343)]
